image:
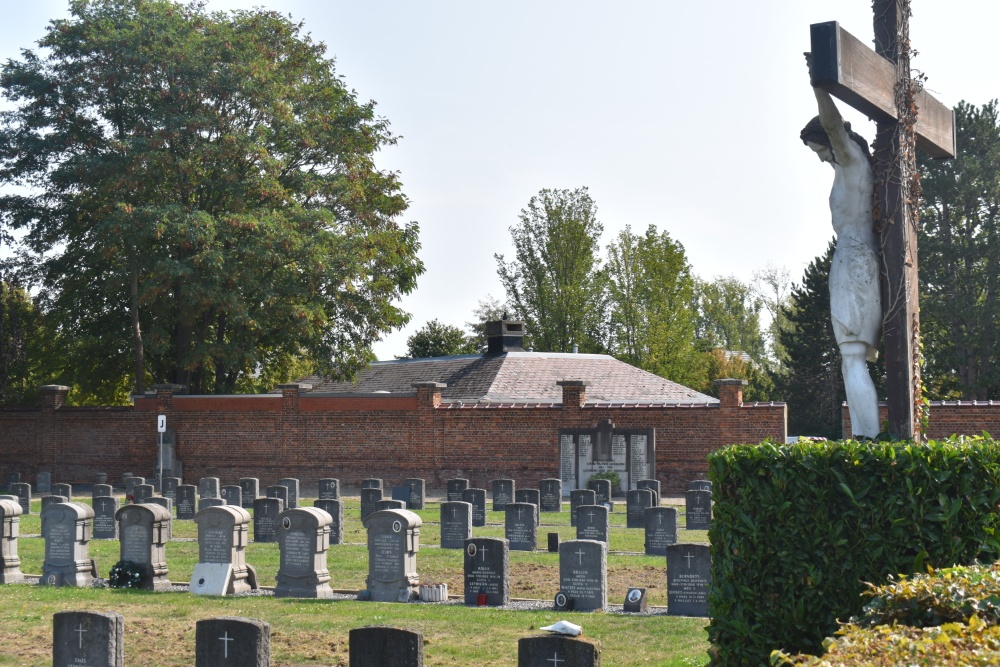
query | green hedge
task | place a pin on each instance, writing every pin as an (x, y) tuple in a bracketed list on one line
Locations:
[(797, 530)]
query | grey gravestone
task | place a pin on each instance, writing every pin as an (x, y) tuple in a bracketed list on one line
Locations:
[(186, 501), (105, 523), (390, 505), (700, 485), (61, 490), (88, 639), (230, 640), (303, 540), (143, 492), (551, 495), (592, 523), (125, 478), (101, 491), (52, 500), (130, 483), (653, 485), (208, 487), (210, 502), (170, 485), (23, 492), (531, 496), (689, 577), (601, 489), (371, 483), (222, 541), (10, 528), (393, 542), (43, 483), (519, 527), (278, 491), (329, 489), (292, 485), (456, 524), (503, 493), (639, 500), (400, 493), (145, 530), (165, 503), (583, 573), (67, 528), (232, 494), (698, 510), (579, 497), (13, 478), (557, 651), (455, 488), (335, 508), (101, 478), (369, 501), (265, 519), (554, 543), (476, 498), (9, 497), (249, 490), (635, 600), (418, 490), (661, 530), (487, 571), (379, 646)]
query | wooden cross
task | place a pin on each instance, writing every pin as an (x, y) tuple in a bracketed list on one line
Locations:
[(870, 82)]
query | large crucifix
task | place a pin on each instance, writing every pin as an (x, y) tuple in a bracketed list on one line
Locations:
[(879, 84)]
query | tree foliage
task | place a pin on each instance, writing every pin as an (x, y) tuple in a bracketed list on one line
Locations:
[(729, 317), (489, 309), (198, 195), (21, 332), (435, 339)]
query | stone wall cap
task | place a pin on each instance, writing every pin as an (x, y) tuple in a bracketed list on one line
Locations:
[(572, 383), (176, 388), (430, 385), (726, 382), (301, 386)]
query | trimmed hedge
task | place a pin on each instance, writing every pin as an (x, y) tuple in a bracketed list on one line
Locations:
[(797, 530)]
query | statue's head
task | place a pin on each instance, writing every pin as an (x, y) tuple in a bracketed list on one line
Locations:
[(813, 135)]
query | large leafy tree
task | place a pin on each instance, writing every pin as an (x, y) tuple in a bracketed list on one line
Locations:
[(729, 317), (198, 195), (554, 282), (436, 339), (21, 332)]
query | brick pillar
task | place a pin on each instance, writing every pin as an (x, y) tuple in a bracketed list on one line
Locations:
[(293, 429), (730, 392), (53, 396), (427, 440), (730, 400), (428, 394), (165, 395), (574, 393), (49, 436), (290, 395)]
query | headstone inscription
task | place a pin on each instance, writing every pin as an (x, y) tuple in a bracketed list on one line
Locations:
[(130, 483), (418, 488), (661, 530), (551, 495), (43, 483), (101, 491), (292, 485), (23, 492), (88, 639), (210, 502), (531, 496), (583, 573), (487, 572), (231, 640), (170, 485), (208, 487), (143, 492), (371, 483), (186, 501), (329, 489), (10, 528), (265, 519), (67, 528), (653, 485), (232, 494), (639, 500), (61, 490), (380, 646), (456, 524), (601, 489), (592, 523), (167, 504), (145, 530), (689, 577), (503, 493), (393, 542), (519, 526), (222, 541), (700, 485), (579, 497), (279, 491), (476, 498), (105, 523), (52, 500), (455, 487), (335, 508), (369, 501), (390, 505), (698, 510), (557, 651), (303, 540), (249, 490)]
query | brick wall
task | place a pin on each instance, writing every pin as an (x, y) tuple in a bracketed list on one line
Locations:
[(948, 418), (295, 434)]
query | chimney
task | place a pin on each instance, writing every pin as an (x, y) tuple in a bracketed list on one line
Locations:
[(504, 336)]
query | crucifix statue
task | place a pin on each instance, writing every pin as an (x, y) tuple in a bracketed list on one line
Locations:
[(874, 203)]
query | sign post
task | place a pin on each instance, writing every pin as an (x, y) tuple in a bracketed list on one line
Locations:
[(161, 428)]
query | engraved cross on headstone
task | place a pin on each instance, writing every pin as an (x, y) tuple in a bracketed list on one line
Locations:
[(688, 557), (80, 632), (581, 554), (590, 515), (483, 550), (225, 639), (555, 660)]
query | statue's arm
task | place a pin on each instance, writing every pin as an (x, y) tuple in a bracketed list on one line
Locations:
[(833, 122)]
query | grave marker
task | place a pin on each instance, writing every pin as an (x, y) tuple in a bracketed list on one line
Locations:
[(557, 651), (400, 493), (210, 502), (661, 530), (700, 485), (170, 485), (519, 527), (105, 523), (186, 501), (208, 487), (393, 542), (635, 600), (43, 483), (653, 485), (249, 490), (379, 646), (329, 489), (231, 640), (579, 497), (145, 530), (292, 485), (531, 496), (88, 639), (143, 492), (222, 541), (371, 483), (476, 498), (335, 508), (232, 494), (52, 500), (583, 573), (10, 528), (390, 505), (456, 524), (503, 493), (592, 523), (101, 491), (61, 490), (370, 498), (265, 518), (698, 510), (303, 540), (487, 571), (130, 483), (689, 578), (601, 489), (165, 503), (279, 491), (638, 501), (551, 495), (23, 492), (67, 528), (418, 488), (455, 487)]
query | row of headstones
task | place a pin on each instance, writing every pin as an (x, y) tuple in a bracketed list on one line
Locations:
[(97, 639)]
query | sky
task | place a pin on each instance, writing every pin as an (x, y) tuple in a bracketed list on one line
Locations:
[(683, 115)]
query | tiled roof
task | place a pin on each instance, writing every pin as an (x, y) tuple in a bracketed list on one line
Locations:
[(517, 377)]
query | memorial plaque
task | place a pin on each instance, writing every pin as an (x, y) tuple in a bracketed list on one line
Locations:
[(487, 572), (279, 491), (265, 518), (476, 498), (689, 578), (639, 500), (335, 508), (379, 646), (700, 485), (186, 501), (601, 489), (144, 531), (88, 639), (303, 540), (519, 527), (393, 542), (130, 483), (530, 496), (208, 487), (418, 488), (65, 490), (371, 483), (232, 494), (557, 651), (503, 493), (10, 528), (143, 492), (698, 510), (567, 461), (455, 488), (329, 489), (456, 524), (170, 485), (101, 491), (551, 495), (105, 523), (52, 500), (43, 483), (292, 485), (67, 528), (635, 601), (661, 530), (390, 505), (583, 568), (592, 523), (249, 490), (231, 640), (579, 497), (23, 492), (653, 485), (370, 498), (222, 539)]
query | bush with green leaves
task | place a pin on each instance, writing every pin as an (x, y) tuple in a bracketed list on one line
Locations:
[(798, 529)]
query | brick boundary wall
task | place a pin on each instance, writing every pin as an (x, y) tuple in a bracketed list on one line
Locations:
[(298, 434), (948, 418)]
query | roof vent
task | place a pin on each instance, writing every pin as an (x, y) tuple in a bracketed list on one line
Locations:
[(504, 336)]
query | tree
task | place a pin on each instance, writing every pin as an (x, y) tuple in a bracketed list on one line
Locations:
[(772, 285), (199, 195), (729, 317), (554, 282), (488, 309), (20, 332), (439, 340)]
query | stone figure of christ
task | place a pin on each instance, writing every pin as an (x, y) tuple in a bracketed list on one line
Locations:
[(855, 303)]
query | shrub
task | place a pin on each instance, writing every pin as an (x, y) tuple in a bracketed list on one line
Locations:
[(797, 529)]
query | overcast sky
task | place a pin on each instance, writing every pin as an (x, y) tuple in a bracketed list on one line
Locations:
[(680, 114)]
